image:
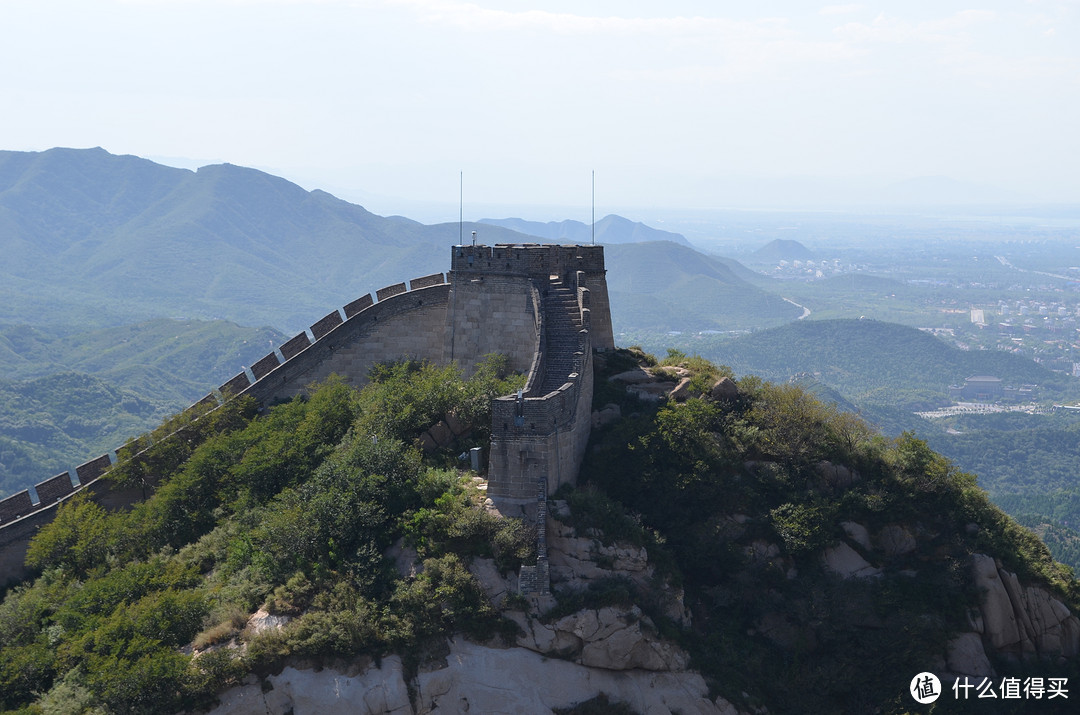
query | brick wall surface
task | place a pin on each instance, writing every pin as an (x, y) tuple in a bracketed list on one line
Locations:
[(50, 490), (264, 366), (15, 506), (294, 346), (236, 385), (93, 469), (358, 305), (325, 324), (390, 291)]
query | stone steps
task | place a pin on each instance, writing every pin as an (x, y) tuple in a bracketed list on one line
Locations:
[(562, 324)]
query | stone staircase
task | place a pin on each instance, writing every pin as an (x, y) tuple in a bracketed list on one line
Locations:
[(562, 325)]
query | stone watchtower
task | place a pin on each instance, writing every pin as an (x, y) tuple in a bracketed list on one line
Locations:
[(547, 308)]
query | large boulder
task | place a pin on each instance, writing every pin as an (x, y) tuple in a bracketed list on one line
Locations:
[(847, 563), (724, 389)]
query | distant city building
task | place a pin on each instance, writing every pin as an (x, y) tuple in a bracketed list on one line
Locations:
[(977, 316), (987, 388)]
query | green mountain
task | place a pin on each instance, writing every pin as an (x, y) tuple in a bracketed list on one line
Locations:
[(69, 397), (608, 230), (662, 286), (795, 561), (94, 239), (873, 361)]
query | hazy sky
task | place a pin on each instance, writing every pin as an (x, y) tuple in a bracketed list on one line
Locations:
[(680, 103)]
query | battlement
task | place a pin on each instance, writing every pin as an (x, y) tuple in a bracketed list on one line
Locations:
[(527, 259)]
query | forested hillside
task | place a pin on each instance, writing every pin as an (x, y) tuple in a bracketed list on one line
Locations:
[(68, 397), (875, 361), (224, 241), (308, 511), (659, 287)]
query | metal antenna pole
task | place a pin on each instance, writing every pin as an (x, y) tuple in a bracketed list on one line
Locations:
[(461, 208), (594, 207)]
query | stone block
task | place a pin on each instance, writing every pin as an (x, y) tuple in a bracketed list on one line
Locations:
[(389, 291), (358, 305), (264, 366), (93, 469), (325, 324), (294, 346), (52, 489)]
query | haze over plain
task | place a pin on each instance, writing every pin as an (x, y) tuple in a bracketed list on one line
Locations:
[(688, 105)]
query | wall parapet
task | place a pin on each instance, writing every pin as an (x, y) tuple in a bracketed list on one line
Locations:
[(527, 259)]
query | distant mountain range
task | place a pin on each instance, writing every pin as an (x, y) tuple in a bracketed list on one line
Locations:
[(100, 250), (89, 237), (610, 229), (93, 239)]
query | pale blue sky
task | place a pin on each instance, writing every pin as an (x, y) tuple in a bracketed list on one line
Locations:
[(680, 104)]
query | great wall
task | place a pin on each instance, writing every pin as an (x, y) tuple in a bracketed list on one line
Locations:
[(544, 306)]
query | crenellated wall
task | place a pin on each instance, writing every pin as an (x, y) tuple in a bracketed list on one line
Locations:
[(493, 300)]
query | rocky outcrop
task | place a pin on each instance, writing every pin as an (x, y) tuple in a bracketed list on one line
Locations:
[(578, 561), (1019, 620), (473, 678), (607, 415), (612, 638), (847, 563), (724, 389), (965, 655)]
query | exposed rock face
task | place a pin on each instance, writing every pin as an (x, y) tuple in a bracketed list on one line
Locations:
[(1022, 620), (261, 621), (846, 562), (632, 377), (836, 476), (577, 561), (612, 638), (682, 391), (496, 586), (476, 679), (966, 656), (857, 533)]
